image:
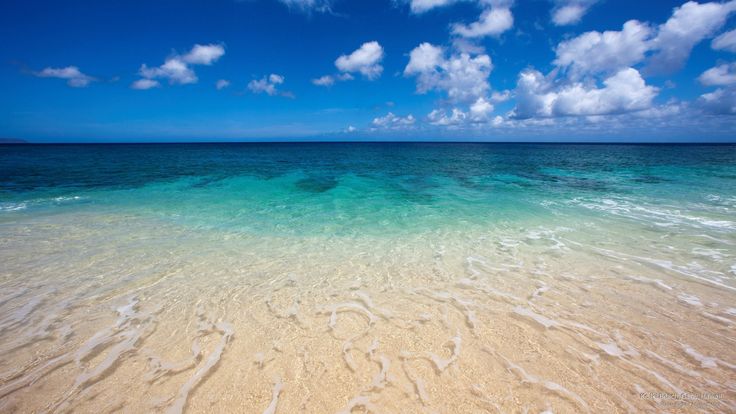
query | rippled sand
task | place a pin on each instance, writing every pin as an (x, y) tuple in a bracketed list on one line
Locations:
[(116, 313)]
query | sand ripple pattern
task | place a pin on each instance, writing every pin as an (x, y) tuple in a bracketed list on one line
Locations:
[(125, 314)]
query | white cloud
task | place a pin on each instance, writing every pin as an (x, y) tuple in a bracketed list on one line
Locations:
[(222, 84), (174, 69), (391, 121), (440, 117), (595, 52), (366, 60), (568, 12), (424, 58), (623, 92), (326, 80), (177, 68), (143, 84), (480, 109), (689, 25), (267, 84), (719, 102), (495, 18), (421, 6), (492, 22), (502, 96), (720, 75), (204, 54), (329, 80), (309, 5), (463, 77), (350, 129), (726, 41), (74, 77)]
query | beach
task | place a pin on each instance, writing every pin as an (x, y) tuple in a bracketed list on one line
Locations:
[(383, 278)]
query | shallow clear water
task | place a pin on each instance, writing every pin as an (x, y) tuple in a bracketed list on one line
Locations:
[(380, 276)]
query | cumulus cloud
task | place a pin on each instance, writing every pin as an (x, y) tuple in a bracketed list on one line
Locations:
[(143, 84), (568, 12), (329, 80), (309, 6), (366, 60), (174, 69), (421, 6), (720, 75), (726, 41), (689, 25), (267, 84), (495, 18), (392, 121), (222, 84), (722, 101), (326, 80), (595, 52), (74, 77), (625, 91), (663, 48), (204, 54), (493, 21), (440, 117), (480, 109), (177, 69), (463, 77), (502, 96)]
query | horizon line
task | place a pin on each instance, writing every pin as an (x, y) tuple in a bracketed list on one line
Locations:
[(14, 142)]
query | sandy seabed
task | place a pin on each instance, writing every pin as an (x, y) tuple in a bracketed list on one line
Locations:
[(121, 313)]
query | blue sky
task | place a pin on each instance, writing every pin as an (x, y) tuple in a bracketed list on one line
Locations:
[(495, 70)]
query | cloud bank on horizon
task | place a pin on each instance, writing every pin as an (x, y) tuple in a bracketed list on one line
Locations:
[(485, 68)]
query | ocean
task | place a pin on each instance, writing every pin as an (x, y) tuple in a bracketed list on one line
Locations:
[(383, 277)]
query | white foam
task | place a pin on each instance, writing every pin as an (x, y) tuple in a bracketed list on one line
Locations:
[(368, 302), (719, 319), (333, 310), (20, 315), (611, 349), (440, 363), (180, 401), (347, 346), (539, 292), (664, 264), (380, 379), (541, 320), (690, 299), (654, 282), (671, 364), (359, 401), (277, 387), (705, 362), (549, 385), (13, 206)]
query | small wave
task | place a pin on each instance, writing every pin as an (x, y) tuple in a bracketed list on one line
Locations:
[(6, 207), (661, 216)]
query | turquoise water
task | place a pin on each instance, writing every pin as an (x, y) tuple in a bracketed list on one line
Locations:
[(308, 189)]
